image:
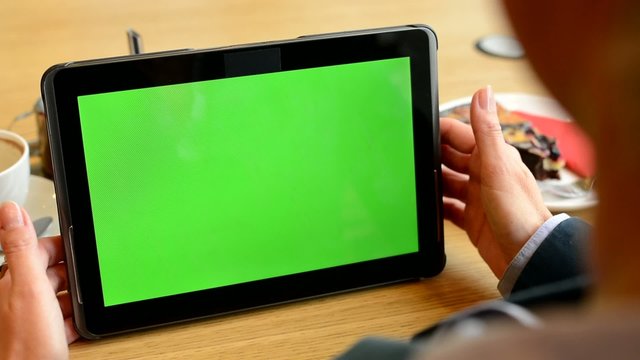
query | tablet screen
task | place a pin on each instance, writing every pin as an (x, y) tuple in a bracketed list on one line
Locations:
[(206, 184)]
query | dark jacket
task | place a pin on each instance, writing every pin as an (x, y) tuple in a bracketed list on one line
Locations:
[(554, 275)]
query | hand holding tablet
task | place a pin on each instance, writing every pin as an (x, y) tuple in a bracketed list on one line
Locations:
[(264, 173)]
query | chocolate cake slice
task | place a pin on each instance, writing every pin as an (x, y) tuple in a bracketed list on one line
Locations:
[(539, 152)]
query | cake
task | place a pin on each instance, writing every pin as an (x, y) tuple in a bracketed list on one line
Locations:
[(539, 152)]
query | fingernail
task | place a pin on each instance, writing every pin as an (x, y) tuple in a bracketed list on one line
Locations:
[(11, 216), (488, 102)]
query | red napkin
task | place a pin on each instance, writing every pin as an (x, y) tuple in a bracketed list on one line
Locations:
[(575, 146)]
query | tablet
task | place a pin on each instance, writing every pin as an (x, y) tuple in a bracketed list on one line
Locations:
[(201, 182)]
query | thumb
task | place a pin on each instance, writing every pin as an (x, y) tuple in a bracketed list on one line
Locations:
[(485, 124), (19, 243)]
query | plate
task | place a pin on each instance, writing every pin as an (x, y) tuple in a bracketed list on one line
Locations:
[(41, 201), (543, 106), (558, 204)]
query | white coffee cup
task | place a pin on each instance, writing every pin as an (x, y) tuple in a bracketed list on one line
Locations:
[(14, 167)]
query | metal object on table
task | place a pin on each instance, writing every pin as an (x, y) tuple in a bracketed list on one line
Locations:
[(501, 46), (43, 136), (42, 224), (135, 42)]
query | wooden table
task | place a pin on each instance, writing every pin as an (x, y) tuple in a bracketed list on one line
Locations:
[(36, 34)]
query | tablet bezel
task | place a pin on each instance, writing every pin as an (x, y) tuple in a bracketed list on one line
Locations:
[(62, 85)]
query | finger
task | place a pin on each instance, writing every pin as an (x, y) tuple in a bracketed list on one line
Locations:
[(485, 124), (70, 331), (457, 134), (454, 211), (57, 275), (454, 185), (19, 243), (52, 249), (66, 307), (455, 160)]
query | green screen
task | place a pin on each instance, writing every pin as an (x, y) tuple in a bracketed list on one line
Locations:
[(206, 184)]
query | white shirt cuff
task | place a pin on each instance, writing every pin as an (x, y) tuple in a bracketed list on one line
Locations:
[(524, 255)]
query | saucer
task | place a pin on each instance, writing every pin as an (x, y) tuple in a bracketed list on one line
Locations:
[(41, 201)]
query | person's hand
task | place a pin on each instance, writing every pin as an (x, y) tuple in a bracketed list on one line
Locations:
[(35, 316), (488, 190)]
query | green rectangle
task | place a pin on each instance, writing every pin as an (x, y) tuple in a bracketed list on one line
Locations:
[(206, 184)]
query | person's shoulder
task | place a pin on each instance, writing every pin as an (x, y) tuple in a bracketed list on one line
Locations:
[(565, 336), (373, 348)]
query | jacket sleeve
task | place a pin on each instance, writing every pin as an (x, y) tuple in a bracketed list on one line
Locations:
[(379, 348), (555, 273), (560, 257)]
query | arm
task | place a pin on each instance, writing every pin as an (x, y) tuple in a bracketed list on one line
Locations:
[(492, 195), (489, 192)]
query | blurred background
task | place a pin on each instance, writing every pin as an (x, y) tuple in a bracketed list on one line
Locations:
[(37, 34)]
